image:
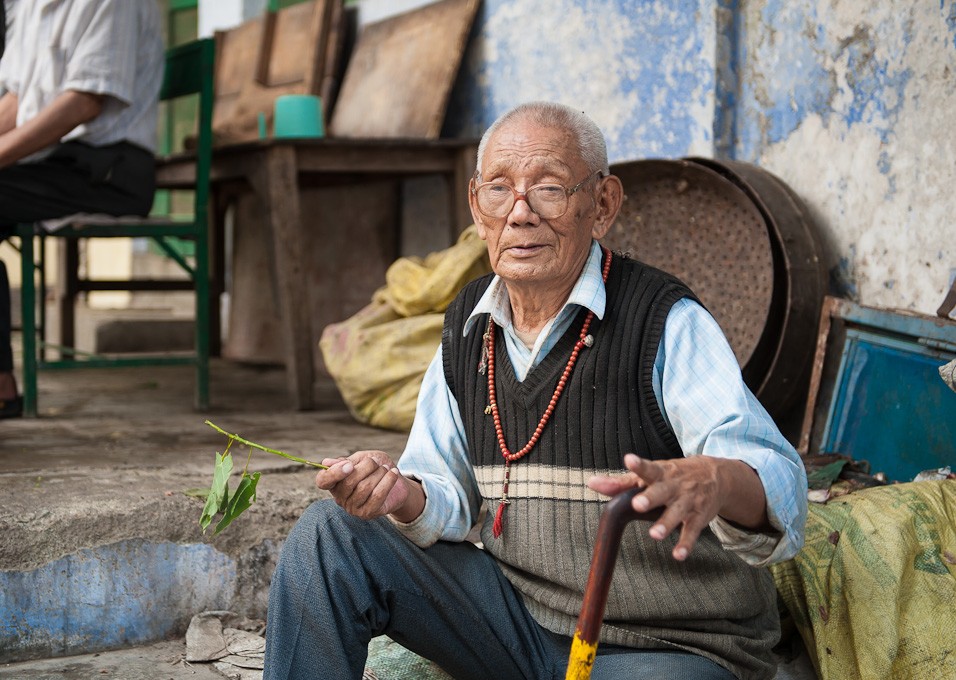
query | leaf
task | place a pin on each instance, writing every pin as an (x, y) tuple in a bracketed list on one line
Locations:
[(218, 498), (241, 500), (196, 493), (823, 477)]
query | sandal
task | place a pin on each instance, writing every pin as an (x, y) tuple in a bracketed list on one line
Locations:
[(11, 408)]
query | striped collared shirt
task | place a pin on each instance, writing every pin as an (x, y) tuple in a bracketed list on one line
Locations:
[(106, 47), (696, 380)]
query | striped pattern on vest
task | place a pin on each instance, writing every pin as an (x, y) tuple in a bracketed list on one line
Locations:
[(714, 604)]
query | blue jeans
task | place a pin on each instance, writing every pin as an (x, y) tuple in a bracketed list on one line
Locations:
[(341, 581)]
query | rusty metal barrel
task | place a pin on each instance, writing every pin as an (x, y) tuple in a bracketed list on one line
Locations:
[(749, 249)]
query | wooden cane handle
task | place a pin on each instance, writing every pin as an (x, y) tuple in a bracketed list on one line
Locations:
[(616, 515)]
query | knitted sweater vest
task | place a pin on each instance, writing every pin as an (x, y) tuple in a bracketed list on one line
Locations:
[(713, 604)]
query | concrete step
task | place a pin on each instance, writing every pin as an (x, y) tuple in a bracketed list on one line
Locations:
[(160, 661), (99, 545)]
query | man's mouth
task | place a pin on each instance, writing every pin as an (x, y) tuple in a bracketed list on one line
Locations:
[(525, 249)]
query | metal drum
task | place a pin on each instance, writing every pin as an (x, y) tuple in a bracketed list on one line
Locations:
[(746, 246)]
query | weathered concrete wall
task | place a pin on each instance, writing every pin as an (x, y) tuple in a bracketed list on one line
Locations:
[(111, 596), (851, 103), (848, 101), (644, 71)]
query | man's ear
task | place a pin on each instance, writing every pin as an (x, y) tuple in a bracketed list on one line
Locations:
[(609, 201), (475, 215)]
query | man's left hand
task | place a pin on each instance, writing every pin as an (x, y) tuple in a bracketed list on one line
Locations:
[(692, 491)]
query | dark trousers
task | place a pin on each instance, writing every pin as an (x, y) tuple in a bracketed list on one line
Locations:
[(341, 581), (119, 179)]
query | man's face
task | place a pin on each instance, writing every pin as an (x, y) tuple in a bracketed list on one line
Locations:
[(523, 247)]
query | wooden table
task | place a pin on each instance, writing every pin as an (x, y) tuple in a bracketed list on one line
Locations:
[(275, 169)]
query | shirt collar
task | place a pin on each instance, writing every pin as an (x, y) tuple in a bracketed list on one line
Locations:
[(588, 291)]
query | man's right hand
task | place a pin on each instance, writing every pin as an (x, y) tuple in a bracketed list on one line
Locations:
[(367, 484)]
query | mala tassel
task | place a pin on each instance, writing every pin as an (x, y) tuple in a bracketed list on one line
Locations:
[(499, 524)]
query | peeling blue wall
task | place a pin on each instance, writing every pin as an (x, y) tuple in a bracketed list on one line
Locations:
[(643, 70), (794, 42), (849, 101), (112, 596)]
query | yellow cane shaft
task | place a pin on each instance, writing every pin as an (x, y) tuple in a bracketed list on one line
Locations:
[(581, 658)]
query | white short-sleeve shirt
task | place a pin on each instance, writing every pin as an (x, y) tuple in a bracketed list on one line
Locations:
[(107, 47)]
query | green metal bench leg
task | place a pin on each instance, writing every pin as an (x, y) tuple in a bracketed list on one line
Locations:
[(28, 303), (201, 275)]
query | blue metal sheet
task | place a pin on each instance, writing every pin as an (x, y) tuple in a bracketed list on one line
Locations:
[(890, 406)]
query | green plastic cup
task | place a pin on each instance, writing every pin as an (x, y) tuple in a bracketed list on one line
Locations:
[(298, 115)]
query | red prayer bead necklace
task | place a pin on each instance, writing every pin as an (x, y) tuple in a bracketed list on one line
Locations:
[(584, 340)]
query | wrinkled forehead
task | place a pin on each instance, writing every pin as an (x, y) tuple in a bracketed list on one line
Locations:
[(525, 147)]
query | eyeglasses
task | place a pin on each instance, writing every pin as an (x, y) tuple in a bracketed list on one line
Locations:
[(548, 201)]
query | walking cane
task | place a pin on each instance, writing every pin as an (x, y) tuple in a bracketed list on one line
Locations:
[(614, 518)]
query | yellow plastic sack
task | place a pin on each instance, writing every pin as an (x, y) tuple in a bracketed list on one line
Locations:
[(873, 591), (378, 356)]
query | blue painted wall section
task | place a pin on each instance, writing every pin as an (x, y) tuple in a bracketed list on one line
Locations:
[(112, 596), (730, 55), (795, 75), (849, 102), (950, 14), (644, 70)]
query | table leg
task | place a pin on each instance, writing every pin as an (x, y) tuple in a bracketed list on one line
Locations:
[(218, 207), (274, 179)]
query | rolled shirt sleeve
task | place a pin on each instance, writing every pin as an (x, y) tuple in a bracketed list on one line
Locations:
[(714, 413), (101, 55), (437, 455), (111, 48)]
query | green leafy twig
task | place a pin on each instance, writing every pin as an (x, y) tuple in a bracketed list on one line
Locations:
[(218, 499), (235, 437)]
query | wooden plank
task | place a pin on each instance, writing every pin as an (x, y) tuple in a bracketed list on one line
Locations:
[(340, 278), (237, 54), (465, 166), (826, 315), (278, 53), (319, 34), (298, 54), (399, 79), (328, 155), (335, 46), (266, 40)]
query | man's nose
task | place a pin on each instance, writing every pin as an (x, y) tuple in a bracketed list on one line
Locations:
[(522, 213)]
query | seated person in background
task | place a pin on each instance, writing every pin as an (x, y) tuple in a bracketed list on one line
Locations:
[(569, 375), (77, 122)]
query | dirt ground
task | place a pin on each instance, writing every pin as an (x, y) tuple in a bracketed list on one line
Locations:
[(129, 439), (160, 661), (111, 455)]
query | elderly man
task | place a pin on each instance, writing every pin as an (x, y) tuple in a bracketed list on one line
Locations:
[(570, 375)]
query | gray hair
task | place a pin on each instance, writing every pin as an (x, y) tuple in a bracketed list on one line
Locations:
[(591, 144)]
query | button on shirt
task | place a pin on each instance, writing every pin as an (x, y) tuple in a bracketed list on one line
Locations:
[(107, 47), (697, 382)]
